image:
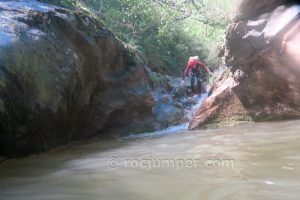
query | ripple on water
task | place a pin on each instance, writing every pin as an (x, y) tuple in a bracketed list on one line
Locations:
[(267, 167)]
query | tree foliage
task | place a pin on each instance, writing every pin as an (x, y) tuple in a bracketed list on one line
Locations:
[(167, 32)]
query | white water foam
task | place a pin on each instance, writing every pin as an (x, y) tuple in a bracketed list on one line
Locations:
[(169, 131), (189, 113), (173, 129)]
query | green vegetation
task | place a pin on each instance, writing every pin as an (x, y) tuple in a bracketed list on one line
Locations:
[(167, 32)]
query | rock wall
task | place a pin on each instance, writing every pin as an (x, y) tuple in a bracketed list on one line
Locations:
[(262, 51), (64, 76)]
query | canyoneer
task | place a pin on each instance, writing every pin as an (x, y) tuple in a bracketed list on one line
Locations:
[(193, 70)]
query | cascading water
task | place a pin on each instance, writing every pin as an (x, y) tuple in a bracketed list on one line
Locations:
[(177, 128)]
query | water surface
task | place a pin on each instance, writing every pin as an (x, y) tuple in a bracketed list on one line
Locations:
[(260, 162)]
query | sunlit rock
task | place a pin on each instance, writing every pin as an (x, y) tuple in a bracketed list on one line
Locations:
[(262, 51)]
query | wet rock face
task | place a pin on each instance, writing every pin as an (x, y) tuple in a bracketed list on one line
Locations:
[(64, 76), (167, 111), (262, 49), (251, 8)]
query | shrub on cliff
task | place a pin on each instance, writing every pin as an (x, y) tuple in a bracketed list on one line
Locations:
[(167, 32)]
